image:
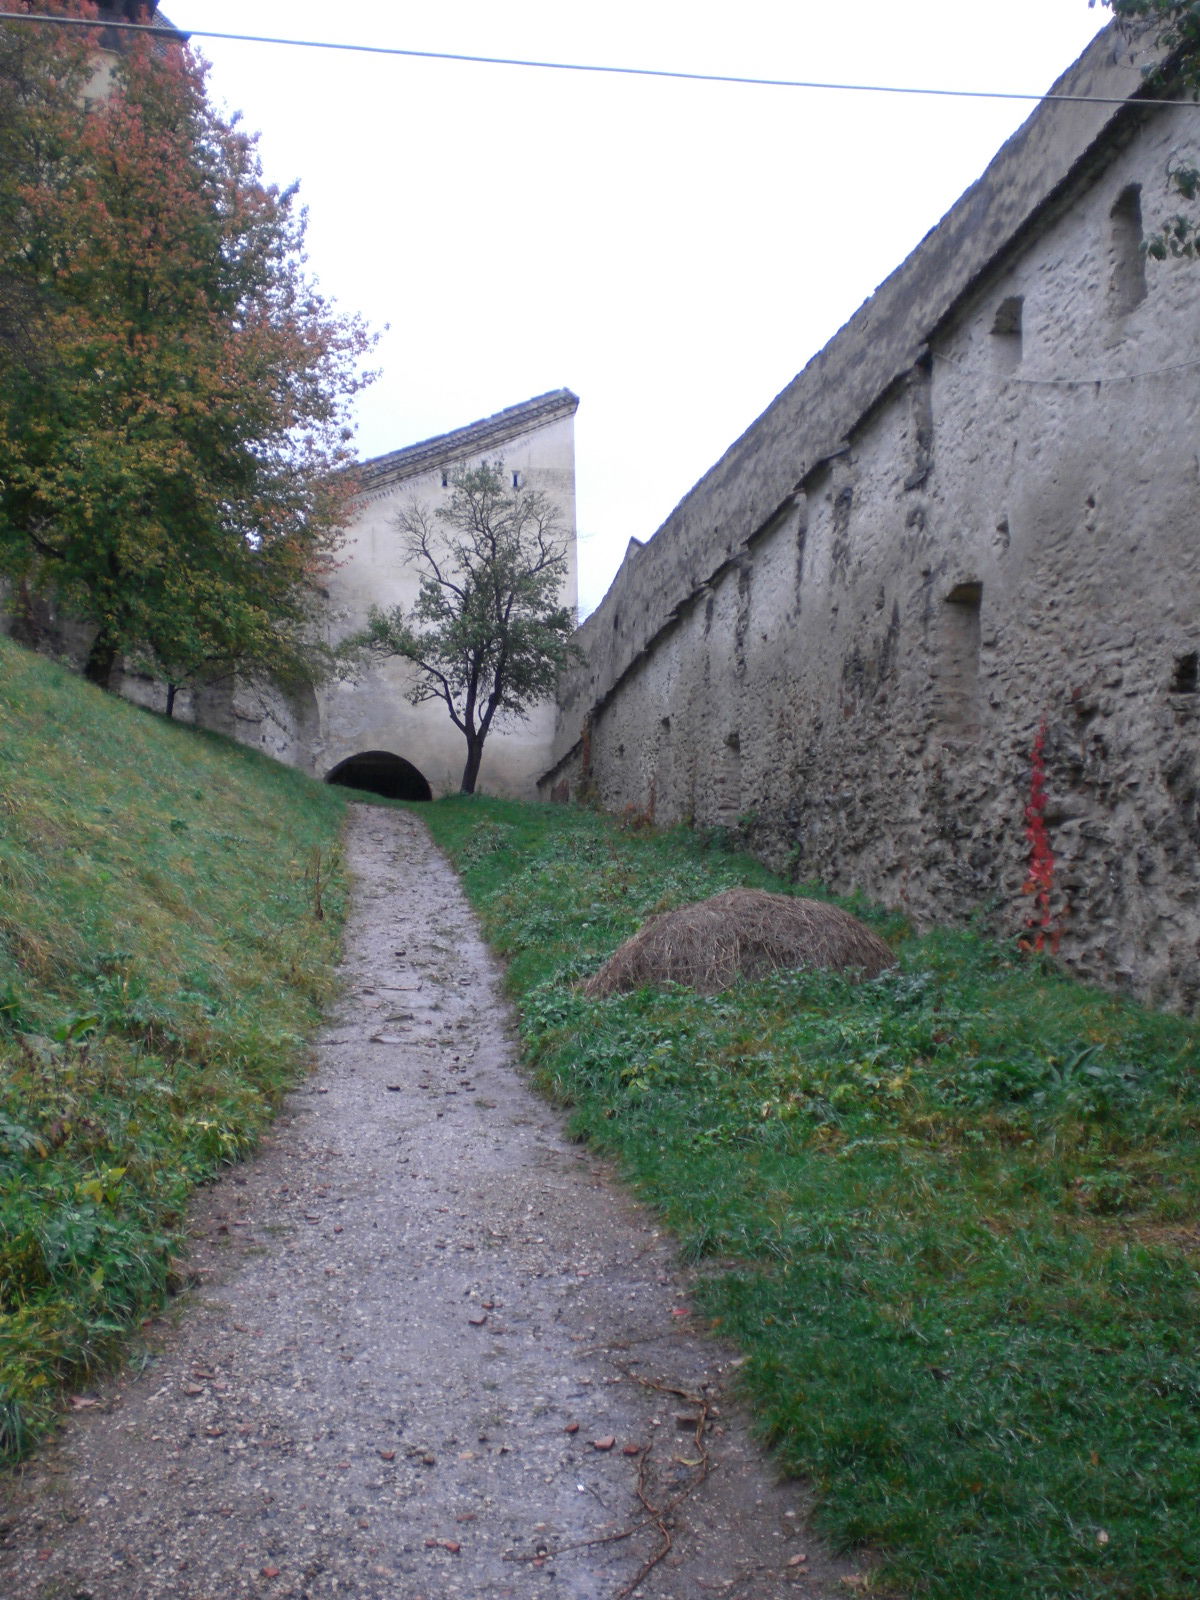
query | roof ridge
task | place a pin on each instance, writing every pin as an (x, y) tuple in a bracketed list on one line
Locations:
[(396, 465)]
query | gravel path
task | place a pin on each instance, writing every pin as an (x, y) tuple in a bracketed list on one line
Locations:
[(434, 1350)]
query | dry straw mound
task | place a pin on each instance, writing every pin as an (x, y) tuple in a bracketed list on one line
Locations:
[(742, 933)]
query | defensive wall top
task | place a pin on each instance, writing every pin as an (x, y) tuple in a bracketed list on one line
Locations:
[(810, 421)]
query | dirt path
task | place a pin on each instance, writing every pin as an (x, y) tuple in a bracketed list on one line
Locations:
[(423, 1315)]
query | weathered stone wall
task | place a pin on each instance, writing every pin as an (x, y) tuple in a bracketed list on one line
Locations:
[(974, 514)]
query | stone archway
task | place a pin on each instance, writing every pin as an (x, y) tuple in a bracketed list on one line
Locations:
[(380, 772)]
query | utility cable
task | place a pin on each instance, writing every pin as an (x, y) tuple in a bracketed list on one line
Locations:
[(579, 66)]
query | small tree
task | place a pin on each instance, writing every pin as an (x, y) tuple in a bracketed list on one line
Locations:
[(488, 633)]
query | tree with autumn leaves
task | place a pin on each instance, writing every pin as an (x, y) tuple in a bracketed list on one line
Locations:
[(173, 390)]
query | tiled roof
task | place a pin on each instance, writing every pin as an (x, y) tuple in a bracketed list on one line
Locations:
[(143, 12), (448, 449)]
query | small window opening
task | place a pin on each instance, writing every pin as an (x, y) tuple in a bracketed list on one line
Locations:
[(1187, 674), (445, 479), (958, 667), (516, 480), (921, 423), (1008, 334), (1127, 285)]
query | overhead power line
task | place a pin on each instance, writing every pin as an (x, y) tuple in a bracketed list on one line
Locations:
[(580, 66)]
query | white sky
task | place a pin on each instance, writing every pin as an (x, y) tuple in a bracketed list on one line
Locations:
[(672, 252)]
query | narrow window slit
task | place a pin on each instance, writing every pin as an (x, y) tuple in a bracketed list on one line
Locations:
[(1127, 285), (1187, 673), (1008, 334)]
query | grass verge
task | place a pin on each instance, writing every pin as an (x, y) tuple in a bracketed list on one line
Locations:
[(951, 1214), (169, 915)]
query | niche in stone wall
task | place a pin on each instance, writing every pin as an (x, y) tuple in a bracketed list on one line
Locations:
[(1127, 281), (1186, 677), (920, 397), (1007, 334), (957, 667)]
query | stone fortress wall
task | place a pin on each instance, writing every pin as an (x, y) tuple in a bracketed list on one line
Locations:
[(972, 517)]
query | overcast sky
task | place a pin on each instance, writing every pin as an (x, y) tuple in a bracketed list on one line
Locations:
[(672, 252)]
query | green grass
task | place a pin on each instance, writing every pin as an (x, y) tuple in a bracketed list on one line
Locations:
[(161, 962), (949, 1215)]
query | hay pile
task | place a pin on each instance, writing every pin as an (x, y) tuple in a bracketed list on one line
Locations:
[(741, 933)]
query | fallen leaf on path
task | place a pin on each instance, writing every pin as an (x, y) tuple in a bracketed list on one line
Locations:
[(269, 1572), (632, 1450), (798, 1559), (81, 1402), (571, 1427), (604, 1444), (387, 1455), (478, 1322)]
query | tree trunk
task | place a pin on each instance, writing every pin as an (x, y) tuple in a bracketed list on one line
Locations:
[(471, 770), (24, 626), (102, 659)]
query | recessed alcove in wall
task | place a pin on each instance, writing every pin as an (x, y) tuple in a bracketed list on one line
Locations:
[(957, 667), (1127, 282), (1008, 334), (1186, 677), (381, 772)]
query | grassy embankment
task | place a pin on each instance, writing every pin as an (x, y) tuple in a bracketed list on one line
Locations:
[(161, 962), (952, 1213)]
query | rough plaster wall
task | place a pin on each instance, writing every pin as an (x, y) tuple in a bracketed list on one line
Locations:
[(1008, 537)]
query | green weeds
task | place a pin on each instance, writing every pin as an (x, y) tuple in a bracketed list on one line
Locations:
[(951, 1213), (169, 907)]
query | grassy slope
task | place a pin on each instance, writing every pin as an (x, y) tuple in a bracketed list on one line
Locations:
[(160, 964), (952, 1213)]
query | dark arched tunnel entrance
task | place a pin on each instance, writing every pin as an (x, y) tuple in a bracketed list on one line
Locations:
[(380, 772)]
